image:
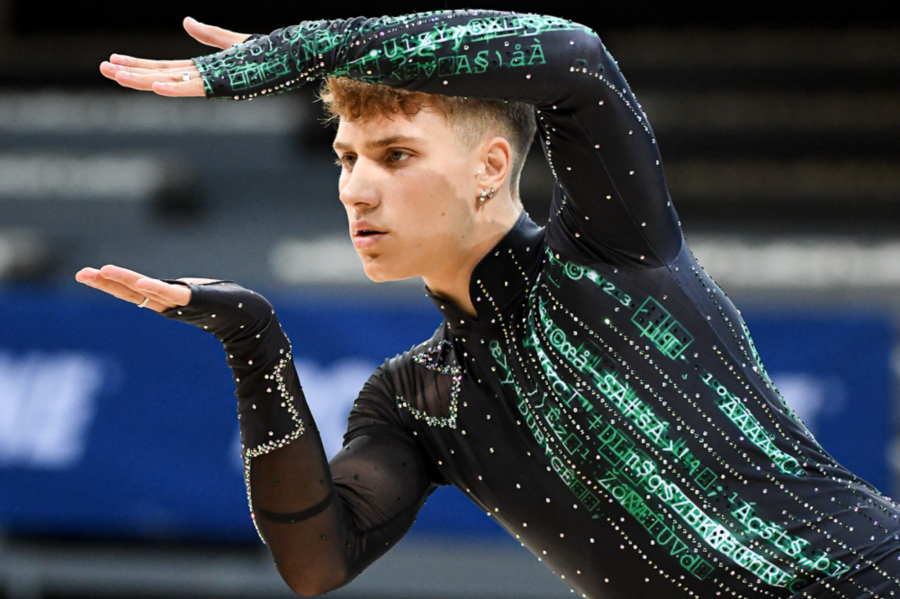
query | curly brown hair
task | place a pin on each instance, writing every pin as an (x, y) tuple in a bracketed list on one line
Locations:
[(471, 119)]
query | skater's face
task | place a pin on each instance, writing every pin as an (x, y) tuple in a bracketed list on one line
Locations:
[(410, 188)]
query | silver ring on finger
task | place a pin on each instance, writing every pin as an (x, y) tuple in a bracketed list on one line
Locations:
[(144, 303), (186, 76)]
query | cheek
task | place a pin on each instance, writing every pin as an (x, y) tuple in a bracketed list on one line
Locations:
[(437, 208), (431, 206), (441, 229)]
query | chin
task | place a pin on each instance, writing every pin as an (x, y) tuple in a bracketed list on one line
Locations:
[(378, 277), (381, 273), (377, 272)]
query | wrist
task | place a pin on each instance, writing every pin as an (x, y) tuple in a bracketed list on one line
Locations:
[(259, 355)]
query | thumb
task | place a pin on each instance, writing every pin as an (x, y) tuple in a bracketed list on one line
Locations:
[(211, 35)]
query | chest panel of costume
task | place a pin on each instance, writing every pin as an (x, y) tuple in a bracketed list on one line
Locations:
[(614, 412), (647, 397)]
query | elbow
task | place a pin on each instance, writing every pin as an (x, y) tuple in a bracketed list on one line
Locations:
[(308, 566), (310, 588), (315, 583), (591, 40), (307, 590)]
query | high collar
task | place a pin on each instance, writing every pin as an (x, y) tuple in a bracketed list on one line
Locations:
[(500, 277)]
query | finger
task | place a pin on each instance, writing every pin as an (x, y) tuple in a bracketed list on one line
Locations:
[(93, 278), (87, 275), (153, 295), (116, 289), (123, 287), (145, 82), (212, 35), (108, 67), (155, 306), (109, 70), (121, 275), (166, 84), (144, 63), (193, 88), (130, 80), (166, 293), (114, 68)]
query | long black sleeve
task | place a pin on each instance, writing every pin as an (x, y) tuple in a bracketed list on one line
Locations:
[(323, 524), (611, 201)]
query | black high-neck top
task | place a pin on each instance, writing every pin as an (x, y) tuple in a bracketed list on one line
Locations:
[(606, 406)]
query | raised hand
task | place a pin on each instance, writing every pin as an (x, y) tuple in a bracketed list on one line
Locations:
[(175, 78), (134, 287)]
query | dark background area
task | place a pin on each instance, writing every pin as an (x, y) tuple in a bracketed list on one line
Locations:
[(778, 123), (132, 24), (29, 17)]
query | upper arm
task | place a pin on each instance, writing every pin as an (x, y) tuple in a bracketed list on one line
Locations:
[(610, 201), (380, 475)]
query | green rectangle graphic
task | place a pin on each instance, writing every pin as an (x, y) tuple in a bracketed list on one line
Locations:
[(661, 329)]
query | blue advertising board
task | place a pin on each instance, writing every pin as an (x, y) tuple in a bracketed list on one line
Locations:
[(117, 422)]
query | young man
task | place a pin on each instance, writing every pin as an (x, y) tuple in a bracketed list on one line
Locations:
[(591, 387)]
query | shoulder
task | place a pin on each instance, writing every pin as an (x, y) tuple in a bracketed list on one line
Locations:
[(424, 381), (399, 391), (417, 369)]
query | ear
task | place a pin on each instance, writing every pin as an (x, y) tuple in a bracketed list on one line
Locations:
[(496, 163)]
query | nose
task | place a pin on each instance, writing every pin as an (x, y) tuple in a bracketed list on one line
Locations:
[(359, 188)]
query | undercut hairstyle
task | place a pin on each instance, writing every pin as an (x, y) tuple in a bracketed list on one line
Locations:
[(471, 119)]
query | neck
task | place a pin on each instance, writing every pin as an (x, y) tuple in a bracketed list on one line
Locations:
[(452, 283)]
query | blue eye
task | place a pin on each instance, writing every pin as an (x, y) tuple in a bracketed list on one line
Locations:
[(398, 155)]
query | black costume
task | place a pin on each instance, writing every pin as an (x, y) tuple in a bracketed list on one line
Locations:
[(607, 406)]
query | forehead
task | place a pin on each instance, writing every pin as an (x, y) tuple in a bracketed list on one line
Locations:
[(425, 127)]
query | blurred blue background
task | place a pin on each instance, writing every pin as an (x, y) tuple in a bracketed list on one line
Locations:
[(779, 129), (130, 417)]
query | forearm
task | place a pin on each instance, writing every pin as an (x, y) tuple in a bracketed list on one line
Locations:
[(298, 514), (471, 53), (286, 470), (323, 523), (292, 497)]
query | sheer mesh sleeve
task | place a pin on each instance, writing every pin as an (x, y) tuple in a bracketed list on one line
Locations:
[(323, 523)]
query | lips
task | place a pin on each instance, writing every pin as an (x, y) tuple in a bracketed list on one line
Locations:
[(365, 234)]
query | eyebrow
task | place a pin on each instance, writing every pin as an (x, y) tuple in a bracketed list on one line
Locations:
[(382, 143)]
